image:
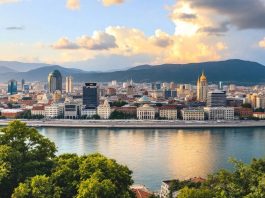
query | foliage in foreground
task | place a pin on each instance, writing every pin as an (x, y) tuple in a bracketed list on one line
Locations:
[(29, 168), (246, 181)]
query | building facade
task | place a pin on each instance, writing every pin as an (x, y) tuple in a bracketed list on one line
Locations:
[(146, 112), (69, 87), (202, 88), (12, 87), (192, 114), (168, 112), (71, 111), (220, 113), (55, 81), (216, 98), (90, 95), (54, 110), (104, 110)]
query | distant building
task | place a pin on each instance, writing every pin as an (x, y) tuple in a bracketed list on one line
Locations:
[(26, 88), (243, 112), (88, 112), (69, 88), (111, 91), (216, 98), (38, 110), (11, 113), (260, 115), (54, 110), (202, 88), (168, 112), (170, 93), (141, 191), (146, 112), (12, 87), (71, 110), (55, 81), (192, 114), (22, 84), (90, 95), (220, 113), (56, 96), (260, 102), (104, 110)]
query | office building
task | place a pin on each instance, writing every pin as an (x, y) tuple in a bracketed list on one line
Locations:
[(22, 84), (54, 111), (220, 113), (192, 114), (202, 88), (90, 95), (55, 81), (12, 87), (69, 84), (71, 110), (216, 98)]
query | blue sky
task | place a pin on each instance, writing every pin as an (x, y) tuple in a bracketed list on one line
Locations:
[(116, 34)]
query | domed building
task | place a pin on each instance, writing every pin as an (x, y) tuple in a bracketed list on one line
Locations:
[(202, 88), (144, 100), (55, 81)]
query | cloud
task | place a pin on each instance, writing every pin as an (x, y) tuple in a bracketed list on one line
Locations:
[(218, 30), (15, 28), (98, 41), (8, 1), (73, 4), (162, 39), (262, 43), (112, 2), (64, 43), (244, 14)]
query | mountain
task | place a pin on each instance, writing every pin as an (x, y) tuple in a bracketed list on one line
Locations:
[(229, 71), (4, 69), (21, 67)]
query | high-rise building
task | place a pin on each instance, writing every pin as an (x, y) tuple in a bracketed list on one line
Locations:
[(202, 88), (216, 98), (55, 81), (12, 87), (22, 84), (69, 84), (90, 95)]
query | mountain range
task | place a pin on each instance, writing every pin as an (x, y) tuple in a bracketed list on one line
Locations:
[(229, 71)]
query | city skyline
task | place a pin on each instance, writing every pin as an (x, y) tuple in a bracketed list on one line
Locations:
[(116, 34)]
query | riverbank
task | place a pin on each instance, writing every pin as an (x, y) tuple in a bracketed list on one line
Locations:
[(140, 124)]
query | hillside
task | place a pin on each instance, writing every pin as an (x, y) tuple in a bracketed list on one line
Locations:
[(230, 71)]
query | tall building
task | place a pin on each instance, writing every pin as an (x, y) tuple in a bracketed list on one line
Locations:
[(12, 87), (69, 84), (22, 84), (216, 98), (90, 95), (202, 88), (55, 81)]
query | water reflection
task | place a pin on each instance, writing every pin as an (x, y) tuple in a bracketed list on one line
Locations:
[(155, 155)]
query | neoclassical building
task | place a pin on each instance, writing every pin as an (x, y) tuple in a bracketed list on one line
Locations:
[(146, 112), (202, 88)]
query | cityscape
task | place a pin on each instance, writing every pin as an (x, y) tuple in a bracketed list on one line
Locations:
[(132, 99)]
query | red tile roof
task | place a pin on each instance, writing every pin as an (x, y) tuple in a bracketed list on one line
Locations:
[(140, 193)]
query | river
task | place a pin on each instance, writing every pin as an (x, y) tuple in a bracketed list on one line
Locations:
[(155, 155)]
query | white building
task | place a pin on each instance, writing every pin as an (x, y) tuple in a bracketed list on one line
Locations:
[(54, 110), (220, 113), (38, 110), (69, 84), (88, 112), (192, 114), (104, 110), (146, 112), (168, 112), (71, 111), (260, 102)]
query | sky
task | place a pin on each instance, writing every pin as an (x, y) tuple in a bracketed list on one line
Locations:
[(103, 35)]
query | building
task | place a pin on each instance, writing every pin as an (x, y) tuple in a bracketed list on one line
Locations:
[(12, 87), (146, 112), (54, 111), (168, 112), (141, 191), (202, 88), (88, 112), (104, 110), (111, 91), (220, 113), (170, 93), (260, 115), (56, 96), (55, 81), (216, 98), (38, 110), (69, 87), (260, 102), (71, 111), (192, 114), (11, 113), (22, 84), (243, 112), (90, 95)]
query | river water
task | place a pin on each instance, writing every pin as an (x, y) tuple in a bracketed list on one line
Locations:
[(155, 155)]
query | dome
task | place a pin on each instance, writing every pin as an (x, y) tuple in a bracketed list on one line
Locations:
[(144, 99), (203, 77)]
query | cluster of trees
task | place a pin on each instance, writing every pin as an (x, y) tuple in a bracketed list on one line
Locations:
[(118, 115), (247, 180), (27, 115), (93, 117), (119, 103), (29, 168)]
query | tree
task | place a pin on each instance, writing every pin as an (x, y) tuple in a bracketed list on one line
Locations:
[(195, 193), (24, 153)]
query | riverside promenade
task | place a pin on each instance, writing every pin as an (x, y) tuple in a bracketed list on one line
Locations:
[(140, 124)]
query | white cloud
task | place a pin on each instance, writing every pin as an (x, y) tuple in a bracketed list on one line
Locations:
[(64, 43), (262, 43), (73, 4), (8, 1), (112, 2)]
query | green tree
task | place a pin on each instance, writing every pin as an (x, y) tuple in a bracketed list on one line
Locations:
[(24, 153), (195, 193)]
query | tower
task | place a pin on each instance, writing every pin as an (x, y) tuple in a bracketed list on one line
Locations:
[(12, 87), (202, 88), (69, 84), (55, 81), (90, 95)]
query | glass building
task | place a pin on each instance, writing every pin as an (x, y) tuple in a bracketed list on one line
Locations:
[(90, 95), (12, 87), (55, 81)]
